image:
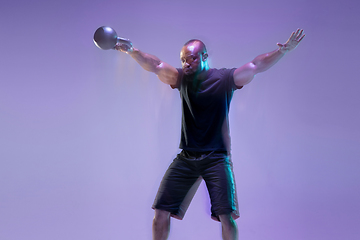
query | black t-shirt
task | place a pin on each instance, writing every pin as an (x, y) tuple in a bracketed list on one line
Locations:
[(205, 108)]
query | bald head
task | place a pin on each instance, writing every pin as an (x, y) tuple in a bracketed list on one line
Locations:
[(197, 42), (193, 57)]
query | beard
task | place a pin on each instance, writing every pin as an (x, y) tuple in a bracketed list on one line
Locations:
[(188, 71)]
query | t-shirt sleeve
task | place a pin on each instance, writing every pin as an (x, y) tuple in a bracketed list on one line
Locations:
[(178, 82)]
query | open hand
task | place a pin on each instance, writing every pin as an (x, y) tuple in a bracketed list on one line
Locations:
[(293, 41)]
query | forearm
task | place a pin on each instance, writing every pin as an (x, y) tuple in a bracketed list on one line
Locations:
[(264, 61), (147, 61)]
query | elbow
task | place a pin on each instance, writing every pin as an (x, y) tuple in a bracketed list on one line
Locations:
[(157, 67), (151, 65), (256, 67)]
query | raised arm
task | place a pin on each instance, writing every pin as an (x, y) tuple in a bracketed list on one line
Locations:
[(244, 74), (165, 72)]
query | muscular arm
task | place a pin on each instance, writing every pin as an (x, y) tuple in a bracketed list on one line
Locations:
[(165, 72), (244, 74)]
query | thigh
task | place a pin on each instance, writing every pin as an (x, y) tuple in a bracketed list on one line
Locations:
[(175, 186), (219, 179)]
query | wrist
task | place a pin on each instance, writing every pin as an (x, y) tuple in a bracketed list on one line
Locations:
[(132, 51), (283, 50)]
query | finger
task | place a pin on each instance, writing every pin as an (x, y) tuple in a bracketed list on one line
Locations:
[(123, 47), (117, 46), (299, 33), (301, 38), (292, 35)]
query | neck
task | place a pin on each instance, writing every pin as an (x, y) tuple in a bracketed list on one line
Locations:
[(205, 66), (203, 71)]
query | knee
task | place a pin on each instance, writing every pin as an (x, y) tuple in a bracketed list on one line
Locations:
[(229, 227), (161, 217), (227, 221)]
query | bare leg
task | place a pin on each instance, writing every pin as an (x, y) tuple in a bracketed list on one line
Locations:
[(161, 225), (229, 227)]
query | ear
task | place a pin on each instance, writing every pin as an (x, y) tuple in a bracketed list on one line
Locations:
[(204, 57)]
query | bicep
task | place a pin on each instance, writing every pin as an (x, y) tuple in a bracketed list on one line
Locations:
[(244, 74), (167, 73)]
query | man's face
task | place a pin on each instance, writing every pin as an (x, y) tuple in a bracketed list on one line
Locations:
[(191, 58)]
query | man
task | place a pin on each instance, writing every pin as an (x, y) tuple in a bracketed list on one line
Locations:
[(205, 142)]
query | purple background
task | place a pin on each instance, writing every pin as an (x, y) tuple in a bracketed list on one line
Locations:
[(86, 134)]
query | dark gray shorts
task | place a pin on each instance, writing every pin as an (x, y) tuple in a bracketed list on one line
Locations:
[(183, 177)]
